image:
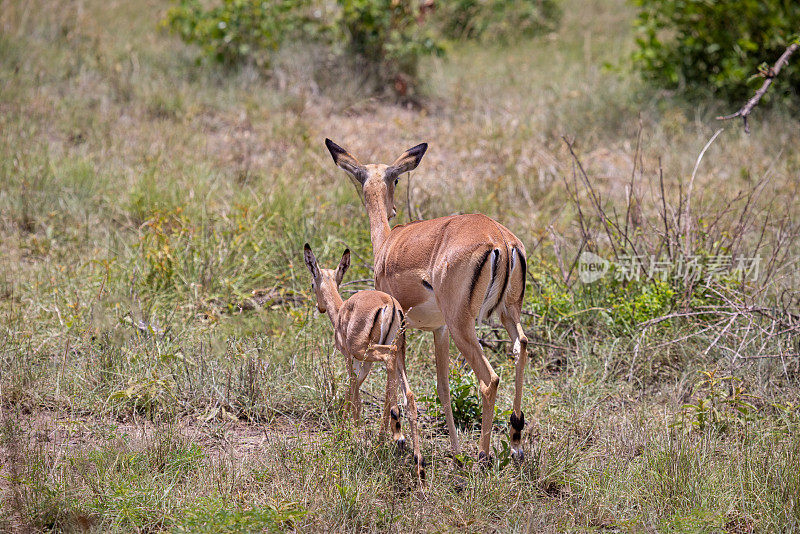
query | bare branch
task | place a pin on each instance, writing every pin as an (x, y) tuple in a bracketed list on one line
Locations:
[(687, 219), (769, 76)]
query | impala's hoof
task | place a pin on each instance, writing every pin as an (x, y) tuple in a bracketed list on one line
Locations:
[(516, 424), (400, 444), (420, 463), (518, 455)]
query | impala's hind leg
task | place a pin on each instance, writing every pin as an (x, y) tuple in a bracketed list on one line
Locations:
[(519, 343), (391, 412), (463, 331), (358, 371)]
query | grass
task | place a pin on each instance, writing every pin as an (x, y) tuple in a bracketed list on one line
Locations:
[(145, 198)]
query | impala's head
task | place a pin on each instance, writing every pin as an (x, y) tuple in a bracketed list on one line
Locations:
[(375, 182), (325, 282)]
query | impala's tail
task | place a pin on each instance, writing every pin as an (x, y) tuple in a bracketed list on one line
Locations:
[(393, 327), (506, 279)]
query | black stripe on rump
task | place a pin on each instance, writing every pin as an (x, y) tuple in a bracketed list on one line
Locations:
[(477, 274), (375, 323), (524, 264), (391, 322)]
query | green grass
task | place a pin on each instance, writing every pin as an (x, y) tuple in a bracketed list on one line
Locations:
[(145, 198)]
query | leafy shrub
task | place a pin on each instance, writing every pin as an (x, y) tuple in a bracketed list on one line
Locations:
[(625, 298), (496, 19), (721, 403), (698, 45), (615, 304), (550, 297), (386, 36), (239, 31), (641, 303), (465, 401)]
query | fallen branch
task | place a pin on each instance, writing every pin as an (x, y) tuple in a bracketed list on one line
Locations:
[(261, 298), (766, 356), (771, 73), (496, 343)]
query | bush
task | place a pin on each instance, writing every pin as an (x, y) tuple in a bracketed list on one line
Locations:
[(496, 19), (465, 401), (240, 31), (389, 37), (701, 46), (385, 36)]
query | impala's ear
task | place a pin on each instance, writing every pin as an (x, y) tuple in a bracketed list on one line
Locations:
[(408, 161), (343, 266), (311, 261), (346, 161)]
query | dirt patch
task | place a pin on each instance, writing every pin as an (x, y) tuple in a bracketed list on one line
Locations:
[(61, 430), (63, 435)]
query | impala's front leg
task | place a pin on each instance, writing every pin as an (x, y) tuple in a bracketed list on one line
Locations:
[(441, 343), (349, 400), (362, 369)]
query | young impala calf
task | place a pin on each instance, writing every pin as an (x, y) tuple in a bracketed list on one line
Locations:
[(368, 327)]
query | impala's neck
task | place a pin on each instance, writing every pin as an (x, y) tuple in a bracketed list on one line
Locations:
[(332, 301), (378, 221)]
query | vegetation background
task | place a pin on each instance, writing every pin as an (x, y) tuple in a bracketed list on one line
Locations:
[(162, 367)]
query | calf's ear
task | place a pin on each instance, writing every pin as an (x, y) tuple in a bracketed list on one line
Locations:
[(311, 261), (343, 266)]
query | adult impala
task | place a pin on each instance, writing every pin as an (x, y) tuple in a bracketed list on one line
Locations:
[(447, 273)]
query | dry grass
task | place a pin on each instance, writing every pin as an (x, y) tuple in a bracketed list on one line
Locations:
[(145, 197)]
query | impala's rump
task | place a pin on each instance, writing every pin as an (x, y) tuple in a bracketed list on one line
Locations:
[(421, 260), (378, 327)]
